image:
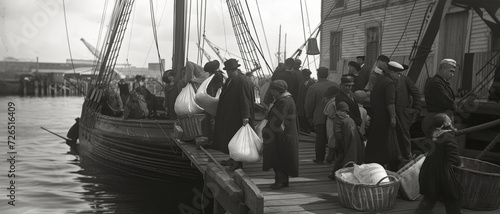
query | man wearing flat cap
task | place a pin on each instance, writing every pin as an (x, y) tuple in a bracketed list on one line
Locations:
[(346, 95), (439, 96), (314, 107), (235, 109), (281, 136), (408, 106)]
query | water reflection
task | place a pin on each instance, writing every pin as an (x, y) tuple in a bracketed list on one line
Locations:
[(51, 179)]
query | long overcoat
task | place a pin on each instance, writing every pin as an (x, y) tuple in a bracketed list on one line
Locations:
[(382, 145), (281, 137), (235, 103)]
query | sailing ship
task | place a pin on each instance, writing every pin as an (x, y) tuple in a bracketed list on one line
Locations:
[(142, 147)]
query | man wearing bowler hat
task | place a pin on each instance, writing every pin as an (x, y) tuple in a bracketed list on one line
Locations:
[(314, 107), (235, 109)]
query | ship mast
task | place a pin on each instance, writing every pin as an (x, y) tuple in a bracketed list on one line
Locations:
[(179, 46)]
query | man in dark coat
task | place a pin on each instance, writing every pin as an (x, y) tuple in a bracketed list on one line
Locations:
[(235, 109), (363, 74), (281, 136), (382, 146), (304, 124), (215, 84), (289, 77), (346, 95), (408, 105), (314, 107), (378, 70), (73, 134), (439, 97)]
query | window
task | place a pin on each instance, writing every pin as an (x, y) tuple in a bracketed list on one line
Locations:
[(495, 42), (372, 44), (339, 4), (335, 41)]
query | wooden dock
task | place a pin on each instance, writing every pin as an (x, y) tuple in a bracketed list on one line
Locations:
[(248, 190)]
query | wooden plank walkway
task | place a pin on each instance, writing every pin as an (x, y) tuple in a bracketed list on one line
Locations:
[(311, 192)]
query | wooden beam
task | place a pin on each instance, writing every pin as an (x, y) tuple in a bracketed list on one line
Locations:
[(225, 191), (253, 197)]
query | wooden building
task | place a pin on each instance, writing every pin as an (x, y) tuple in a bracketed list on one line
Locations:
[(392, 28)]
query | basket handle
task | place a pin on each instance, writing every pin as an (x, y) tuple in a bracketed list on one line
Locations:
[(350, 162), (388, 176)]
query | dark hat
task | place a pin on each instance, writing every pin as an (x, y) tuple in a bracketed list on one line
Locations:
[(306, 72), (383, 58), (322, 69), (77, 119), (361, 57), (138, 77), (394, 66), (289, 61), (297, 62), (342, 106), (231, 64), (278, 85), (211, 66), (347, 80), (331, 92), (355, 65)]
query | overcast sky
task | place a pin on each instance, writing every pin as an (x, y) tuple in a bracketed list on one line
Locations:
[(36, 28)]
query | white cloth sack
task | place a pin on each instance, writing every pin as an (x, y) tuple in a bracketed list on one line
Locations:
[(185, 104), (370, 173), (204, 100), (349, 177), (245, 144)]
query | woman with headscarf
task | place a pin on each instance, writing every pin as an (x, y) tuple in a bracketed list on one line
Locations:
[(281, 136)]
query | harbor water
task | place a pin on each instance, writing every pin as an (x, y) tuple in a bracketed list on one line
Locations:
[(40, 174)]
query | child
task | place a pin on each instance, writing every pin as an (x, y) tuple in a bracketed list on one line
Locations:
[(329, 111), (348, 139), (360, 97), (437, 179)]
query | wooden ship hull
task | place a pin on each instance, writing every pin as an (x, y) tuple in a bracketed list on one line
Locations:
[(142, 148)]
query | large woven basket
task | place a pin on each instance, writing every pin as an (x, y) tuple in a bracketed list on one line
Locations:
[(409, 178), (481, 184), (191, 126), (370, 198)]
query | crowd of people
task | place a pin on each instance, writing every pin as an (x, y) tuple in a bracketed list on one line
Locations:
[(345, 131)]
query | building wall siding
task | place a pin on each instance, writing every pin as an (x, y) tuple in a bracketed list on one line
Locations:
[(352, 25)]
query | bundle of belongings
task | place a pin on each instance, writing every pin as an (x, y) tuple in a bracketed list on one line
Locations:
[(369, 174)]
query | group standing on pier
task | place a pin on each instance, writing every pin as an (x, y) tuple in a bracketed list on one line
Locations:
[(345, 131)]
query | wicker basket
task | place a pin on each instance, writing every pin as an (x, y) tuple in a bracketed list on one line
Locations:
[(364, 197), (481, 184), (409, 178), (190, 125)]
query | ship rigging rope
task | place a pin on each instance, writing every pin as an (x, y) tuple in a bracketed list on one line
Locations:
[(309, 26), (316, 30), (152, 42), (130, 38), (303, 27), (406, 26), (155, 35), (99, 37), (259, 48), (69, 44), (263, 30)]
